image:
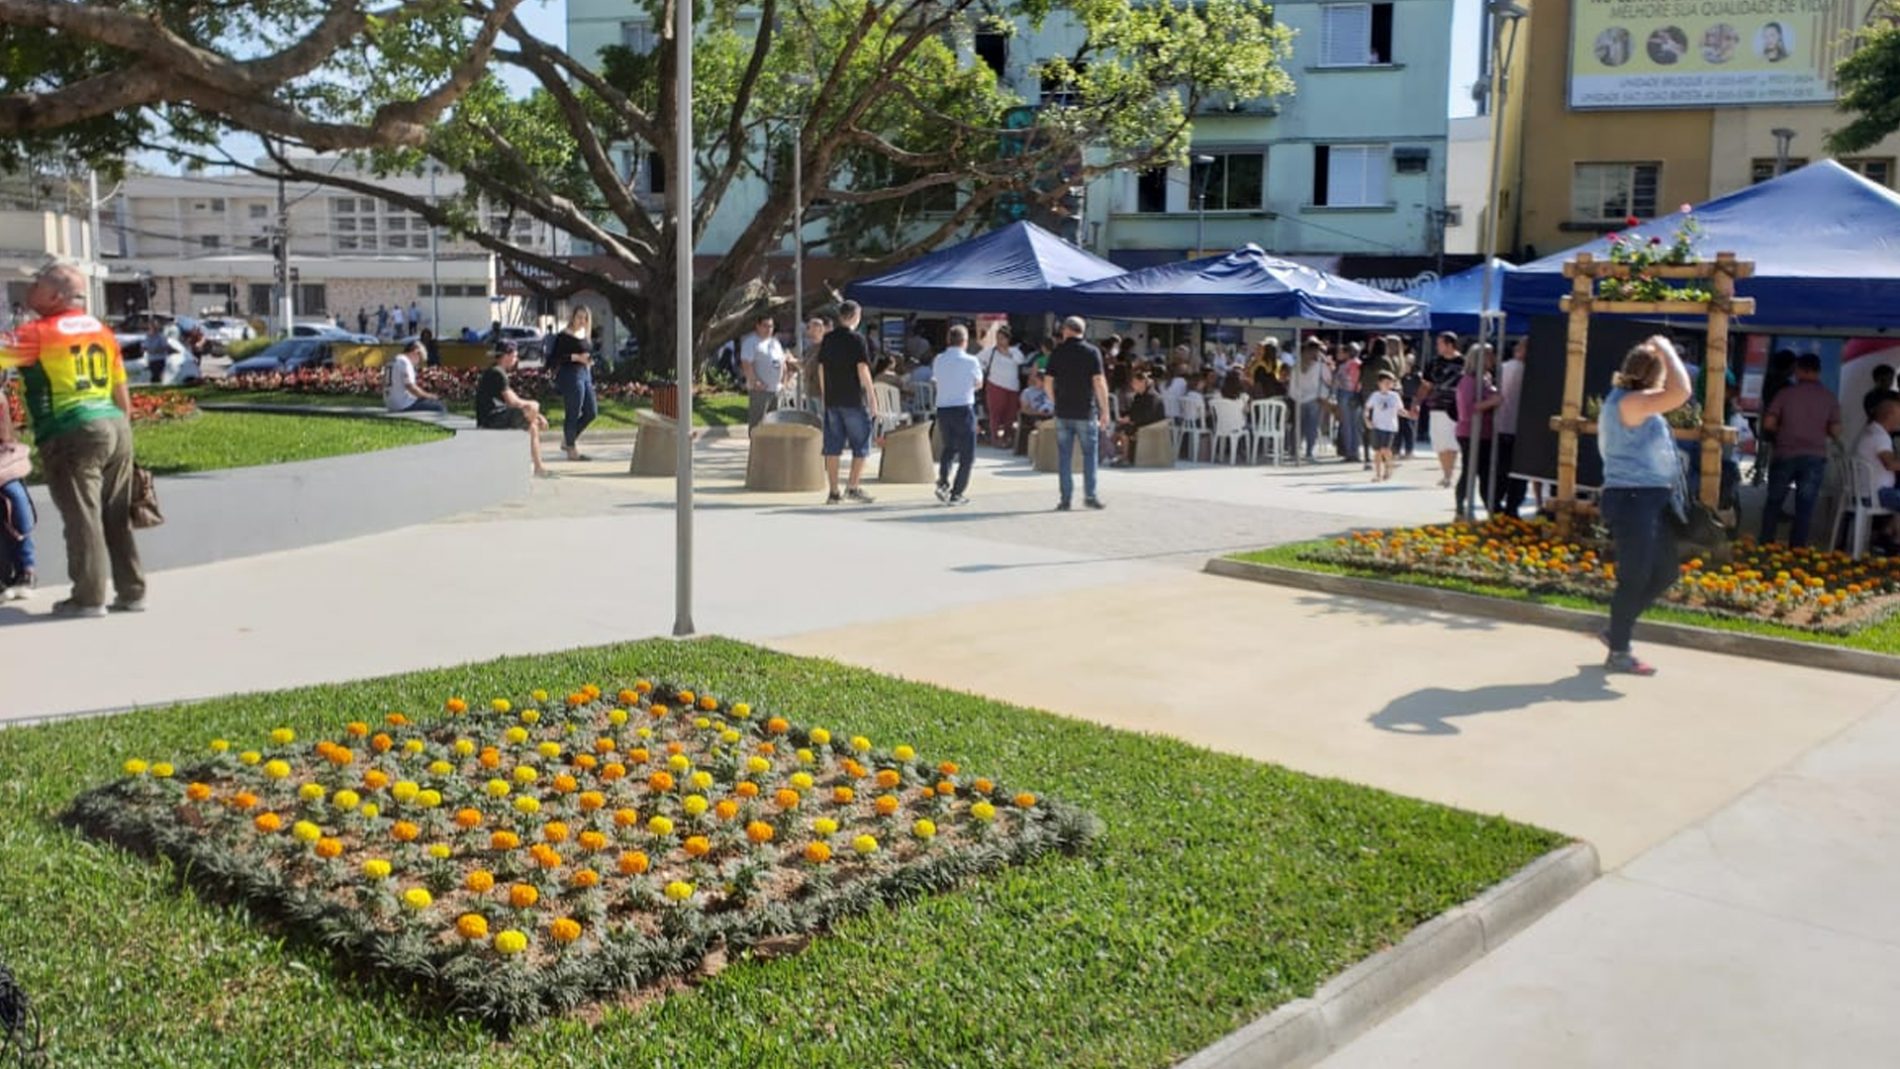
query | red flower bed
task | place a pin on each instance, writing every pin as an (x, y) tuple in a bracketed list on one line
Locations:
[(451, 384), (148, 406)]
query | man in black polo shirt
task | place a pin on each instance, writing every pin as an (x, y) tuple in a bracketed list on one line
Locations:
[(499, 408), (844, 381), (1081, 395)]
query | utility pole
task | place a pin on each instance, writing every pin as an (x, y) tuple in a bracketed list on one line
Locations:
[(285, 306), (435, 268), (802, 81), (95, 287), (680, 191)]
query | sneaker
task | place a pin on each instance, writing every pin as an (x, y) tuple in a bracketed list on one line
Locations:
[(70, 607), (20, 588), (1628, 664), (122, 605), (943, 493), (859, 496), (833, 498), (1094, 503), (1062, 506), (957, 499)]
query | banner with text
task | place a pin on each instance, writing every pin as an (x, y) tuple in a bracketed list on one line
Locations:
[(1702, 53)]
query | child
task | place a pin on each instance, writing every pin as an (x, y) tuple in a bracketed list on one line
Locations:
[(1382, 415)]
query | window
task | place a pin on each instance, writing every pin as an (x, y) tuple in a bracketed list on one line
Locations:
[(260, 243), (259, 211), (1350, 176), (992, 50), (1233, 182), (258, 301), (1059, 88), (1872, 169), (1355, 35), (1151, 190), (1412, 159), (210, 242), (310, 299), (353, 225), (1762, 168), (211, 289), (637, 36), (214, 206), (1612, 192)]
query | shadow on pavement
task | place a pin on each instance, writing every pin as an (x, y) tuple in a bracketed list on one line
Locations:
[(1431, 710), (1386, 612)]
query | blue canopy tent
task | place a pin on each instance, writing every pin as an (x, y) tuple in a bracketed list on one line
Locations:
[(1457, 301), (1018, 269), (1824, 240), (1246, 284)]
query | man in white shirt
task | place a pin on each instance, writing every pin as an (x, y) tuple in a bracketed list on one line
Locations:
[(762, 361), (396, 320), (1873, 451), (957, 375), (401, 391), (1003, 383)]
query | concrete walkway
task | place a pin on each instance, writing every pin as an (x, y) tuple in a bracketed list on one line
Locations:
[(1745, 812)]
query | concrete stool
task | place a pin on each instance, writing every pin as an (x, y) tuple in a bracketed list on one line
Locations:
[(655, 448), (1154, 446), (1042, 447), (785, 458), (906, 456)]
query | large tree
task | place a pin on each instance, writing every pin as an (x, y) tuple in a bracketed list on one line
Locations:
[(1868, 82), (906, 142)]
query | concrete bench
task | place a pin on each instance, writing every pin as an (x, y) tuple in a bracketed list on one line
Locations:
[(656, 449), (1154, 446), (784, 458), (906, 456), (1042, 447)]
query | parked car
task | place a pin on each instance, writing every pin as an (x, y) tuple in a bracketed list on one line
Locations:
[(224, 330), (331, 332), (290, 354)]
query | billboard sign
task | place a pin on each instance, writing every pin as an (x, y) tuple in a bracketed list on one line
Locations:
[(1706, 53)]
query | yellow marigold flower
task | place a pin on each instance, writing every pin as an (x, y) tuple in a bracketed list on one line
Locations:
[(806, 757), (306, 832), (413, 746), (904, 753), (283, 736), (346, 799), (250, 757), (268, 822), (510, 941), (523, 895), (429, 799), (498, 788), (817, 853), (865, 845), (702, 780), (693, 804), (924, 829), (527, 805), (802, 781), (983, 811), (515, 736), (860, 744), (162, 769), (418, 898), (329, 849), (759, 832), (539, 695), (471, 926), (464, 747), (643, 731), (697, 846), (679, 762), (198, 792), (825, 826), (742, 710), (220, 745), (564, 930), (526, 774), (549, 750), (277, 769), (757, 765), (376, 869), (660, 826), (440, 851), (729, 736), (135, 767), (702, 723), (820, 737), (679, 890), (311, 792), (531, 716), (617, 717), (440, 768), (371, 811), (632, 863)]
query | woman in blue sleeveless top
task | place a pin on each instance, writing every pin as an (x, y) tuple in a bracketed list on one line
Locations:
[(1640, 474)]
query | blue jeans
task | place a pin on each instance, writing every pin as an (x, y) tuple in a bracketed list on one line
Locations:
[(1805, 474), (1645, 555), (1308, 416), (426, 404), (1351, 413), (16, 532), (1067, 431), (958, 425), (847, 426), (577, 400)]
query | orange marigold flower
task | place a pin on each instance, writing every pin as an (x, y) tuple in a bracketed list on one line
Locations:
[(726, 809), (852, 767), (632, 863), (490, 757), (686, 697), (545, 856), (1025, 800), (886, 804), (817, 853), (565, 784), (843, 795), (641, 686), (777, 726), (480, 881), (888, 778), (577, 698), (198, 792), (564, 930), (268, 822), (339, 756), (397, 720), (707, 703), (591, 800), (660, 781), (592, 841), (329, 849), (768, 749), (675, 747), (946, 788), (948, 768), (404, 832), (375, 779), (456, 706), (605, 744), (612, 772), (468, 817), (785, 798), (504, 840), (585, 761), (243, 800), (381, 742), (656, 710), (759, 832), (697, 846), (471, 926), (523, 895), (554, 831), (982, 786), (626, 818), (584, 878), (746, 789), (639, 755), (627, 697), (356, 728)]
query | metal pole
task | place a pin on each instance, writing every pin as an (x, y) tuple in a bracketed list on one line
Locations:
[(682, 197), (435, 267), (1498, 11), (286, 310), (95, 286), (798, 254)]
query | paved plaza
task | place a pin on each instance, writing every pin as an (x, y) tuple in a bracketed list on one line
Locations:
[(1743, 812)]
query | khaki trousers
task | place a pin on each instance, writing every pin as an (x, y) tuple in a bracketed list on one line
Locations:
[(89, 474)]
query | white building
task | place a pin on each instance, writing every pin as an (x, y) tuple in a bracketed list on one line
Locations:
[(32, 238), (204, 242)]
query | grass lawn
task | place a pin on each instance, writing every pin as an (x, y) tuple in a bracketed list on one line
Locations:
[(210, 441), (711, 410), (1220, 889), (1879, 637)]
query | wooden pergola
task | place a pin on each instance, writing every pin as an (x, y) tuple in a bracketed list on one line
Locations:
[(1583, 302)]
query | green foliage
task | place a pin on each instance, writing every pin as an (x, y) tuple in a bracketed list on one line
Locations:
[(1869, 84), (245, 439), (1221, 888)]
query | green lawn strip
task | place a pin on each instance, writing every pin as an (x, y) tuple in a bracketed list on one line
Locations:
[(213, 440), (1879, 637), (709, 410), (1220, 889)]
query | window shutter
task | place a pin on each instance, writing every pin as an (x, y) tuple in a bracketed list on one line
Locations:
[(1345, 34)]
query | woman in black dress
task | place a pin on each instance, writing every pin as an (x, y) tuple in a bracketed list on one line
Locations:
[(571, 359)]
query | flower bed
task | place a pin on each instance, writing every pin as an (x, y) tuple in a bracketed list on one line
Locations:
[(454, 385), (1810, 589), (148, 406), (517, 861)]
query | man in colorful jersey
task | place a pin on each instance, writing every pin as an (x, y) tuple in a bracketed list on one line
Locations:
[(77, 401)]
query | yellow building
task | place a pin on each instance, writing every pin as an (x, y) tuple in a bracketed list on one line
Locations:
[(1632, 108)]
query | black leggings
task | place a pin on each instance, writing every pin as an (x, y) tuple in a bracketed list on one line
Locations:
[(1645, 555)]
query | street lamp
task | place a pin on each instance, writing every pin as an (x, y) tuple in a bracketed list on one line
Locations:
[(1503, 13), (1783, 138), (435, 267), (1206, 164), (798, 228), (680, 191)]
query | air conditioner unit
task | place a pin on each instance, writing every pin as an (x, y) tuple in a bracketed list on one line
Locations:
[(1411, 159)]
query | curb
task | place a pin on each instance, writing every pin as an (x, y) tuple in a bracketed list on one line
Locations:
[(1302, 1032), (1733, 643)]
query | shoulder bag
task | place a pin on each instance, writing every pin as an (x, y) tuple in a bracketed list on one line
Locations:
[(145, 511)]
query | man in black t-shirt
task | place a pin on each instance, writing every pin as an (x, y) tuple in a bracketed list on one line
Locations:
[(499, 408), (1081, 394), (844, 381)]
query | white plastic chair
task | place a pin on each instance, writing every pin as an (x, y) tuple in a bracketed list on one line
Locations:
[(1865, 503), (1269, 429), (1230, 427), (923, 400), (890, 407), (1192, 424)]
